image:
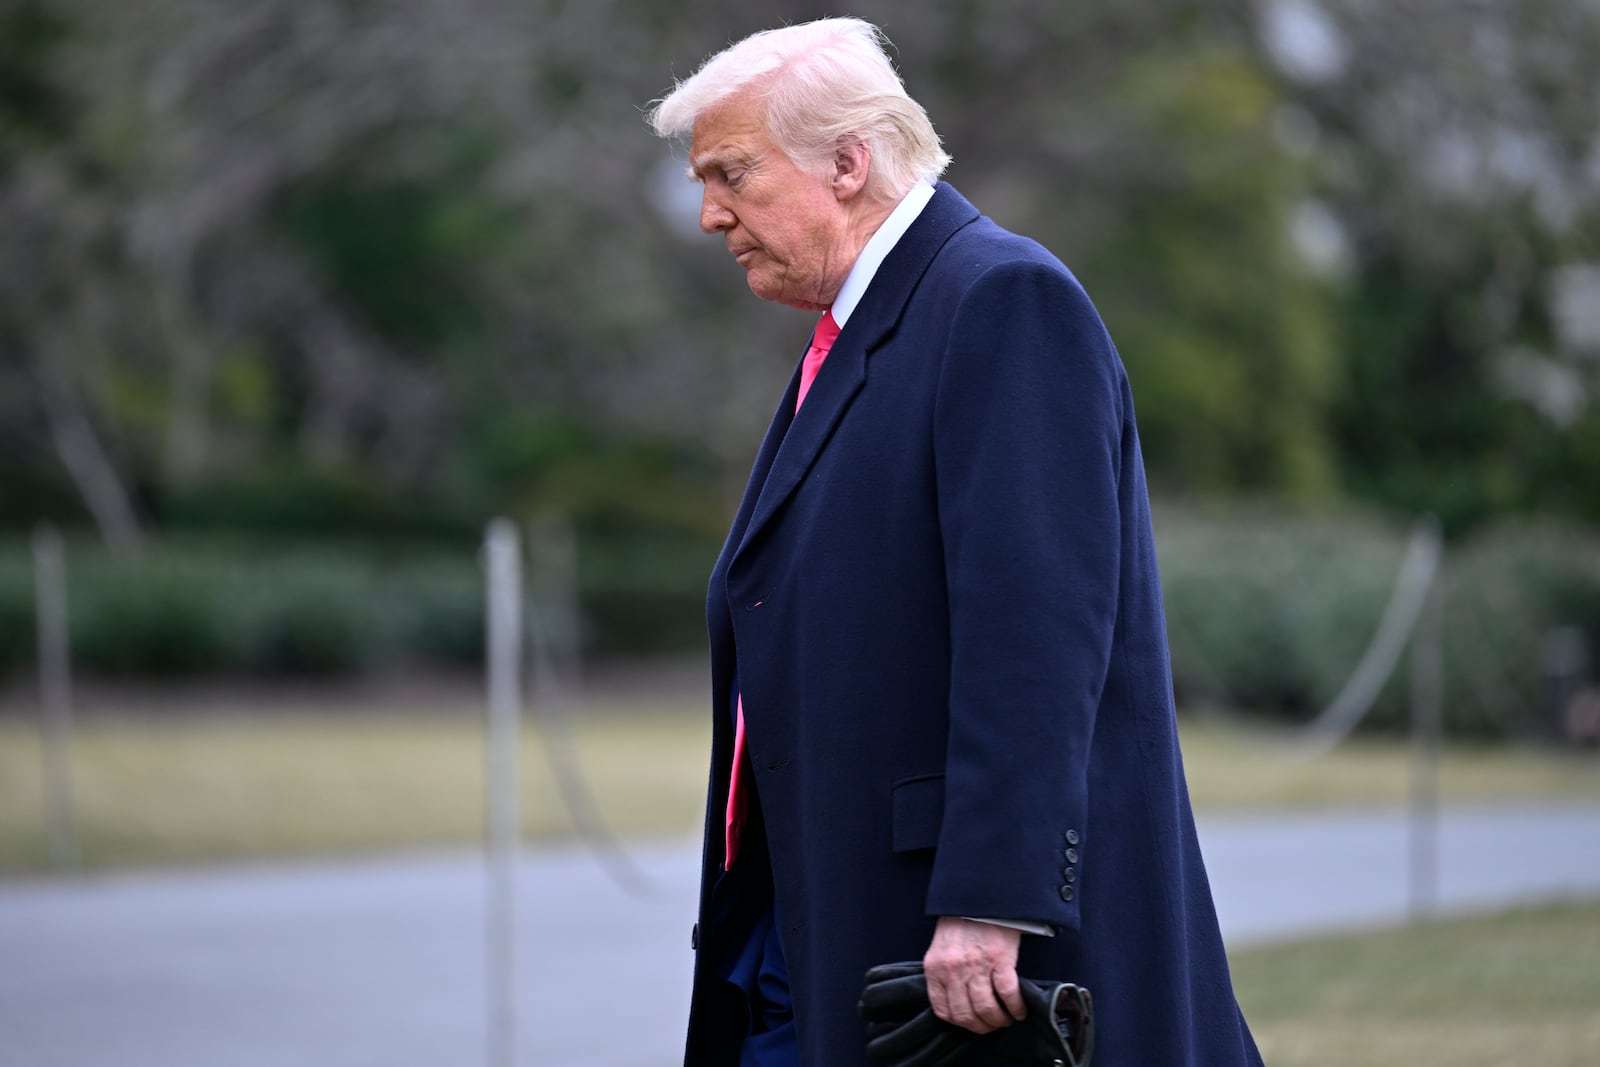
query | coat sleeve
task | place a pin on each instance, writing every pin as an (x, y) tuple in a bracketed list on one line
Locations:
[(1028, 421)]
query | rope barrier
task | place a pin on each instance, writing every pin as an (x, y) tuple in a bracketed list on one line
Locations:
[(1419, 570), (553, 653), (1339, 719)]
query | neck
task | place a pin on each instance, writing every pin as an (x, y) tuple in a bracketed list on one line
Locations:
[(859, 227), (862, 226)]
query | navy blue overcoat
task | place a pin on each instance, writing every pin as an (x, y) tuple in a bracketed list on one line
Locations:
[(941, 601)]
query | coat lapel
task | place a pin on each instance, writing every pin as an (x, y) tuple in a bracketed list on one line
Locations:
[(777, 429), (845, 371)]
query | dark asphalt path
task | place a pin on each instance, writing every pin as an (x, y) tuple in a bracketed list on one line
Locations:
[(380, 963)]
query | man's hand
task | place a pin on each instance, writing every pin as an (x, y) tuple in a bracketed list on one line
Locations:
[(972, 974)]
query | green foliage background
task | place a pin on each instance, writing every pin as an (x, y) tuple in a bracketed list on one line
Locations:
[(336, 283)]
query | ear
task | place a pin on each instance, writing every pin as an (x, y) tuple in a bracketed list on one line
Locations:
[(852, 161)]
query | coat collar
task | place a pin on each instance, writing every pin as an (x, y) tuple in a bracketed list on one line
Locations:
[(794, 440)]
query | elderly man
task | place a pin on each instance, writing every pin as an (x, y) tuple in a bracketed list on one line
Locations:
[(944, 723)]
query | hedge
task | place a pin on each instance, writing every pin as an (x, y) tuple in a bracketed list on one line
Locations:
[(1266, 611), (1271, 613), (187, 609)]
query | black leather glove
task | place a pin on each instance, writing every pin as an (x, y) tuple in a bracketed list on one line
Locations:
[(901, 1025), (903, 1030)]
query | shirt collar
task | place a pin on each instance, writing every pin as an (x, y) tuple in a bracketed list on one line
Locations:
[(878, 248)]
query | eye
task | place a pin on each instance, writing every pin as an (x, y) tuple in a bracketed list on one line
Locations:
[(735, 177)]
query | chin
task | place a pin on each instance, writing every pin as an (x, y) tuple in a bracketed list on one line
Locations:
[(765, 288), (772, 291)]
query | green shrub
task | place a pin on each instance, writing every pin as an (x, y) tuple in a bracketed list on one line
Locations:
[(307, 615), (190, 608), (644, 592), (1266, 612), (437, 610), (1504, 592), (164, 615), (290, 500), (1272, 614), (18, 643)]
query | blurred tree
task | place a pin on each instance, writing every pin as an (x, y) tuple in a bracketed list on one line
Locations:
[(416, 263), (1225, 326), (1457, 146), (56, 276)]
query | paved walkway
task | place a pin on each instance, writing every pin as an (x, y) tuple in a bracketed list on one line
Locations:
[(381, 962)]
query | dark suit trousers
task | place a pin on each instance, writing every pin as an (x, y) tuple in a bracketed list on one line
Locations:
[(749, 950)]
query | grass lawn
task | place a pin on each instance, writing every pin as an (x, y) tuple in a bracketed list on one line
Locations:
[(154, 791), (202, 786), (1229, 767), (1511, 990)]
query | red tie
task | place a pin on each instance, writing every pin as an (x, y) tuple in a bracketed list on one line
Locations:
[(822, 339)]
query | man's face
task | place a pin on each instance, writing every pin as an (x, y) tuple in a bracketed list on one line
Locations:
[(784, 225)]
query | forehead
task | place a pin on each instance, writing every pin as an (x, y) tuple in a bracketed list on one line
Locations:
[(734, 130)]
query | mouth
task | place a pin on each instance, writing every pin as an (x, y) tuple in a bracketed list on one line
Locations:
[(741, 254)]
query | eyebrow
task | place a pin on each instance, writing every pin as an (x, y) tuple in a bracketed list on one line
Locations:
[(721, 160), (697, 167)]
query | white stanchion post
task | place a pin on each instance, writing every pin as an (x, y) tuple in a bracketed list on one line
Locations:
[(504, 646), (1427, 726), (55, 694)]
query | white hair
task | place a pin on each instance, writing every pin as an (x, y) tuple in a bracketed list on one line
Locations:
[(821, 82)]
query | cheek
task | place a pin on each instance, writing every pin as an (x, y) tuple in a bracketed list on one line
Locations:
[(795, 247), (773, 237)]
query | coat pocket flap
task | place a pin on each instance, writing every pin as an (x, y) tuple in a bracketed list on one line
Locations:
[(918, 812)]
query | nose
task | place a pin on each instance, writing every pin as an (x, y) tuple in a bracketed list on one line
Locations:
[(714, 215)]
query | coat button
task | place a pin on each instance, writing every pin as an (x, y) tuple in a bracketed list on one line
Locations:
[(1072, 837), (694, 937), (1072, 855), (1067, 893)]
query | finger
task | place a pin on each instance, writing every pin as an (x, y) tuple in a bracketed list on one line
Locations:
[(910, 988), (883, 1028), (885, 971), (894, 1041), (939, 997), (950, 997), (896, 998), (1008, 988), (980, 994), (962, 1011)]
